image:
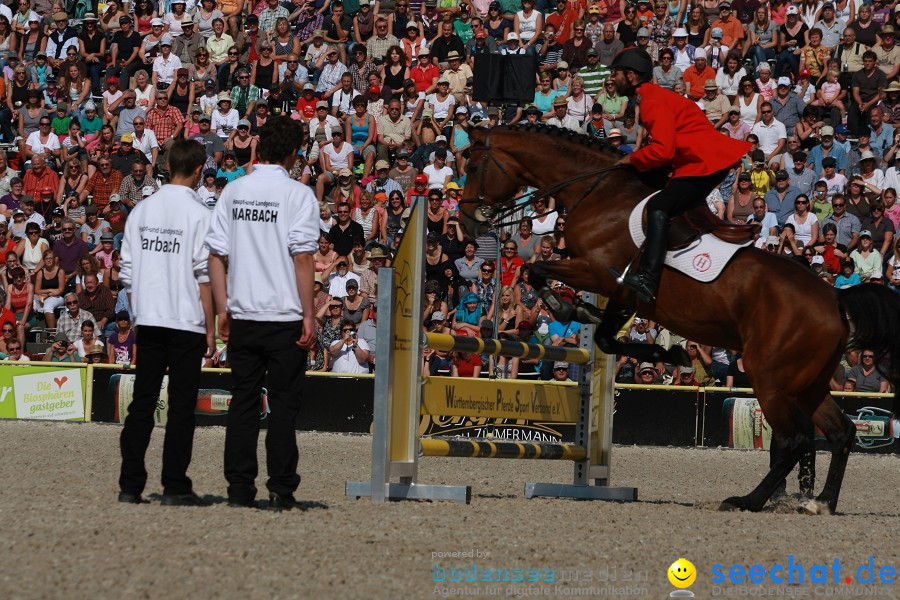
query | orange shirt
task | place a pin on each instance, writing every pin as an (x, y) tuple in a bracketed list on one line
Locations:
[(698, 80), (731, 30)]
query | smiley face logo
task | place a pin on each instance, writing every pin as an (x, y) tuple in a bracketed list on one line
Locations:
[(682, 573)]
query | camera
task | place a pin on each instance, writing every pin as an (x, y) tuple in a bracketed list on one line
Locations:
[(759, 164), (64, 344), (353, 334)]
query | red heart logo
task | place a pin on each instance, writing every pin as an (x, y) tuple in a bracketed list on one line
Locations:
[(60, 381)]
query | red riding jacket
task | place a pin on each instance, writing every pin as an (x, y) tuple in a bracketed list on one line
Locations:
[(681, 135)]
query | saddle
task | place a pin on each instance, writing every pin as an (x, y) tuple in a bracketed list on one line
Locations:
[(689, 225)]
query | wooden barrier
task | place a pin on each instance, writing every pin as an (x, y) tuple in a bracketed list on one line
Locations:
[(402, 395)]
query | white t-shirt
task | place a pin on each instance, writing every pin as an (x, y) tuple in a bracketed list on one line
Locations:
[(34, 142), (543, 227), (146, 144), (769, 135), (339, 158), (437, 178), (224, 124), (345, 360)]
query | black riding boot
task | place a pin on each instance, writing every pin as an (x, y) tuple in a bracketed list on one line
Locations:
[(646, 280)]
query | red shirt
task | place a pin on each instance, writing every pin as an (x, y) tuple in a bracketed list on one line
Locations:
[(681, 135), (424, 78), (465, 367), (34, 184), (163, 123), (307, 107), (508, 269)]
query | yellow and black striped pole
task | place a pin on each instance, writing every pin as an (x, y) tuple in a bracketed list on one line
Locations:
[(452, 343), (487, 449)]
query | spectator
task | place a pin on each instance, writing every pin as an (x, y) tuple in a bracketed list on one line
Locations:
[(865, 375), (350, 354)]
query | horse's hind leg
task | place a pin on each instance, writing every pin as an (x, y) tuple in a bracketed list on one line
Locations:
[(840, 433)]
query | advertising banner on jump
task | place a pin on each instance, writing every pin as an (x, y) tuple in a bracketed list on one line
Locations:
[(52, 392)]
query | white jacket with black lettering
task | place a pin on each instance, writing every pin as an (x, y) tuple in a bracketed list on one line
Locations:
[(164, 259), (261, 221)]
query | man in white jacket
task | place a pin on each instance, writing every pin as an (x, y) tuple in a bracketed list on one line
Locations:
[(267, 226), (164, 271)]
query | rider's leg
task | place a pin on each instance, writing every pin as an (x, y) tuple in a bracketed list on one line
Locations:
[(679, 195)]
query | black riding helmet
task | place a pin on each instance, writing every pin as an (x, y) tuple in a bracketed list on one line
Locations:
[(635, 59)]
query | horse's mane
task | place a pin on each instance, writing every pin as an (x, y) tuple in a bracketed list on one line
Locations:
[(655, 178), (575, 137)]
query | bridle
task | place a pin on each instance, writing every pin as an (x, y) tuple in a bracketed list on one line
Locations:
[(495, 215)]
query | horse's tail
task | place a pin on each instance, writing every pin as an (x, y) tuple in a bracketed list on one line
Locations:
[(874, 314)]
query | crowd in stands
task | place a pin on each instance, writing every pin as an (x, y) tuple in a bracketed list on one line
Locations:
[(94, 94)]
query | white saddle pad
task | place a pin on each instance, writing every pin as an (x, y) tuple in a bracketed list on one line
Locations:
[(702, 260)]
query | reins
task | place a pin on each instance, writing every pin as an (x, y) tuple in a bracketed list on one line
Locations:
[(511, 206)]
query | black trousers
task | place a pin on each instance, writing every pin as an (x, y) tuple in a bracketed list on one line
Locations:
[(263, 354), (684, 193), (180, 352)]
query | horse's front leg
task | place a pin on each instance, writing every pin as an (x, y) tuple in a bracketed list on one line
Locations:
[(573, 272)]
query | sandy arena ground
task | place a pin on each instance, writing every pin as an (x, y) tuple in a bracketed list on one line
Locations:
[(65, 536)]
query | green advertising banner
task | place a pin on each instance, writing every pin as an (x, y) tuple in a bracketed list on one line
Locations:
[(54, 392)]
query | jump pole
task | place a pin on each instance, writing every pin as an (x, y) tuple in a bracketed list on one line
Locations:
[(402, 395)]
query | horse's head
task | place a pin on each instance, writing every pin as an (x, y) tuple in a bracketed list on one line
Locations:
[(492, 181)]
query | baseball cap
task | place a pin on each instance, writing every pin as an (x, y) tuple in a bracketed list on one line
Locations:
[(829, 161), (421, 178), (782, 174), (321, 104), (440, 138), (560, 364), (382, 164), (646, 366), (865, 233), (792, 10), (438, 316), (827, 130), (127, 138), (784, 81), (818, 259)]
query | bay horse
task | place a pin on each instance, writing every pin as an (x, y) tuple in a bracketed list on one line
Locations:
[(791, 326)]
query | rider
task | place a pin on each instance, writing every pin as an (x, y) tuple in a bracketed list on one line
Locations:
[(680, 136)]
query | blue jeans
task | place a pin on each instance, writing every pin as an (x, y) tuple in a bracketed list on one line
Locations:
[(788, 61), (758, 55)]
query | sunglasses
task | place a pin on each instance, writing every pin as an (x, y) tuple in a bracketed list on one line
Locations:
[(489, 271), (838, 205), (72, 303)]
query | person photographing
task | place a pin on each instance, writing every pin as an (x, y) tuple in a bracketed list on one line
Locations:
[(683, 140), (266, 226), (163, 269)]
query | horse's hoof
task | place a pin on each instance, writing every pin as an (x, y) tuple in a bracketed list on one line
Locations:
[(588, 313), (734, 503), (814, 507)]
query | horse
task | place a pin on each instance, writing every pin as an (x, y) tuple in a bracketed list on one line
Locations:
[(762, 304)]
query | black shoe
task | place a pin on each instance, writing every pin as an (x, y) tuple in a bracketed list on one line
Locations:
[(282, 501), (237, 503), (643, 285), (190, 499), (129, 498)]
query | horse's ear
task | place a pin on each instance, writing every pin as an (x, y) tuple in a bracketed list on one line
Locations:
[(475, 133)]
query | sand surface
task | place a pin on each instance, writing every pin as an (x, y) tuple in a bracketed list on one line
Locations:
[(65, 536)]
